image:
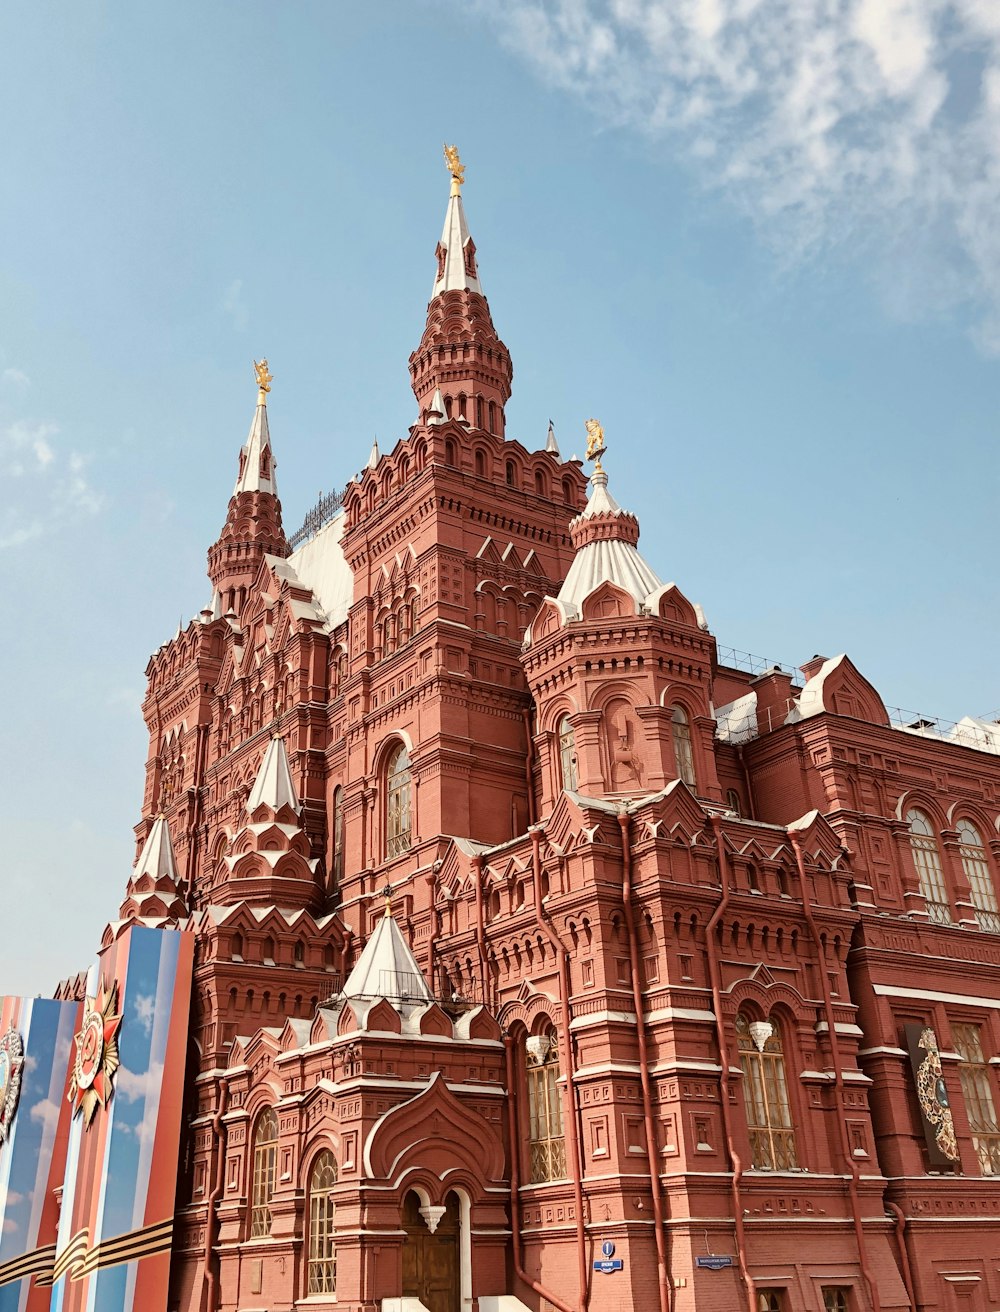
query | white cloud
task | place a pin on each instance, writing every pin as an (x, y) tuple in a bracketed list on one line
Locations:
[(47, 1112), (52, 485), (234, 306), (143, 1006), (868, 125), (133, 1085), (15, 378)]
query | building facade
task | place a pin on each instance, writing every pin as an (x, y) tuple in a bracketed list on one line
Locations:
[(547, 955)]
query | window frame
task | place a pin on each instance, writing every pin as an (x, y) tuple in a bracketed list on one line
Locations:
[(925, 849), (546, 1138), (682, 741), (569, 773), (766, 1088), (975, 1077), (974, 856), (321, 1243), (398, 802), (263, 1173)]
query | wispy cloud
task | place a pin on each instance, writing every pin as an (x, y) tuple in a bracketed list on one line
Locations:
[(51, 484), (14, 378), (234, 305), (869, 125)]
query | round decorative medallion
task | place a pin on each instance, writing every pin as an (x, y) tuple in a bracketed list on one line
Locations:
[(11, 1064), (92, 1081)]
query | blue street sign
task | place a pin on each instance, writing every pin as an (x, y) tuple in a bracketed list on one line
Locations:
[(608, 1248), (609, 1266), (714, 1261)]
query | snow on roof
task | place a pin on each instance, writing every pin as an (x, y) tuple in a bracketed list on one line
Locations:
[(737, 721)]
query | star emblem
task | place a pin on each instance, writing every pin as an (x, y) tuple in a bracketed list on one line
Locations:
[(92, 1081), (11, 1065)]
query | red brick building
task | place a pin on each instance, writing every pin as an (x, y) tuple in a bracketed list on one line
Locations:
[(681, 963)]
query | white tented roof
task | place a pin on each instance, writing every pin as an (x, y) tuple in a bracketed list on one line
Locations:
[(613, 561), (453, 276), (251, 477), (387, 968), (273, 786), (157, 856)]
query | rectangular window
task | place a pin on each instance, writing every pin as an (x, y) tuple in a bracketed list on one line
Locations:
[(546, 1144), (836, 1298), (977, 1089)]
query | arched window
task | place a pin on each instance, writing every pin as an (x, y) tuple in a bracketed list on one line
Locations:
[(414, 613), (567, 753), (567, 491), (493, 417), (539, 483), (397, 802), (927, 859), (511, 473), (479, 412), (322, 1226), (733, 801), (338, 836), (683, 750), (480, 464), (546, 1144), (265, 1159), (449, 452), (977, 872), (765, 1094)]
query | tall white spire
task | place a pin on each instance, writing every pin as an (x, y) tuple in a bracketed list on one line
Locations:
[(387, 968), (456, 250), (551, 445), (157, 856), (256, 459), (373, 457)]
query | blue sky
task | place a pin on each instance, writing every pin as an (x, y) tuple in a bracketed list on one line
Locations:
[(761, 248)]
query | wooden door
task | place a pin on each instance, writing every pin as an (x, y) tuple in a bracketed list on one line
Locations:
[(430, 1261)]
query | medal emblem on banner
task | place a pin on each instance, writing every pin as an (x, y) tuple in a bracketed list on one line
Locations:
[(92, 1081), (11, 1064)]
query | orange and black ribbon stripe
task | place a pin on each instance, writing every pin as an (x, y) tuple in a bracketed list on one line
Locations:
[(78, 1259)]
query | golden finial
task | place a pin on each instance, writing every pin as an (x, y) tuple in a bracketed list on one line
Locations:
[(456, 168), (387, 894), (595, 444), (263, 380)]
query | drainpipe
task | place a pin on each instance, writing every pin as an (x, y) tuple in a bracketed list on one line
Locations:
[(529, 767), (647, 1093), (715, 977), (569, 1091), (209, 1280), (435, 923), (751, 804), (904, 1253), (838, 1077), (515, 1183), (477, 866)]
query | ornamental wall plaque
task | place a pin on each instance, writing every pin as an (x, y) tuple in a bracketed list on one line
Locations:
[(92, 1081), (11, 1065), (932, 1096)]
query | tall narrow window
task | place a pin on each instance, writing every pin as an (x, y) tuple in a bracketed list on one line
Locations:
[(977, 1089), (414, 613), (322, 1231), (927, 859), (977, 872), (683, 751), (546, 1145), (480, 464), (338, 836), (765, 1094), (567, 753), (397, 805), (265, 1158)]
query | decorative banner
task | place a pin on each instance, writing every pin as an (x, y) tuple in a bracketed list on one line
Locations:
[(96, 1061), (935, 1112), (116, 1223), (35, 1048), (11, 1061)]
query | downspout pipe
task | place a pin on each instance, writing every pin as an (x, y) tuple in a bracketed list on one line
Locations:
[(838, 1076), (569, 1088), (477, 866), (515, 1182), (715, 978), (656, 1185), (529, 766), (435, 926), (209, 1280), (904, 1253)]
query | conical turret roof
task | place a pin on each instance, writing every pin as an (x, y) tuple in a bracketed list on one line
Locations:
[(273, 786), (387, 968)]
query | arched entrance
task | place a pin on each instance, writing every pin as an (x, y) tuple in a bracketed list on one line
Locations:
[(430, 1260)]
